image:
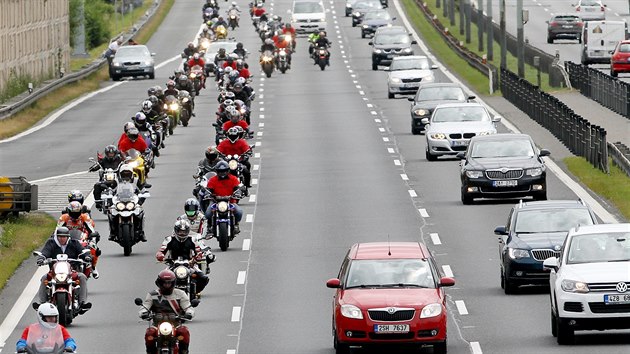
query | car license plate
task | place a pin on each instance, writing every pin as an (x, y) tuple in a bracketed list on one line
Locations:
[(589, 9), (508, 183), (389, 56), (617, 299), (410, 85), (462, 143), (397, 328), (567, 26)]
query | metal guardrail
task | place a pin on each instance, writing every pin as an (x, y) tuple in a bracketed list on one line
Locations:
[(606, 90), (576, 133), (620, 156), (6, 111), (16, 195)]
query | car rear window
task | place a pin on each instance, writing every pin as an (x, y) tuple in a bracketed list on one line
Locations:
[(568, 18), (307, 8), (589, 3), (393, 38), (385, 273), (551, 220), (624, 48)]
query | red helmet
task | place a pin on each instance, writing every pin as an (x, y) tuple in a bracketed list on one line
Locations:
[(166, 281)]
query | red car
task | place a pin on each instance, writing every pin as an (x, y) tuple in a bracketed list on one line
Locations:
[(389, 294), (620, 60)]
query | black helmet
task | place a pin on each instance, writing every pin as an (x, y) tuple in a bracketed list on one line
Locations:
[(132, 134), (222, 169), (76, 196), (181, 229), (191, 207), (110, 152), (238, 87), (154, 99), (182, 79), (233, 134), (151, 91), (239, 45), (62, 231), (212, 153), (166, 281), (158, 91), (229, 59), (74, 209)]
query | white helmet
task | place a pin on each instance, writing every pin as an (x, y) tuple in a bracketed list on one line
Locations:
[(47, 310), (126, 173), (234, 3)]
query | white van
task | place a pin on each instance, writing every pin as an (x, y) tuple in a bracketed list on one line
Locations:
[(308, 16), (599, 39)]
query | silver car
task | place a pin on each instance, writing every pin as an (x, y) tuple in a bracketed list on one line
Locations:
[(132, 60), (590, 10), (452, 126), (406, 73)]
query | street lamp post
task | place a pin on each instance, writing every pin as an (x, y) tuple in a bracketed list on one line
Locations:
[(503, 34), (490, 31), (79, 37), (520, 38)]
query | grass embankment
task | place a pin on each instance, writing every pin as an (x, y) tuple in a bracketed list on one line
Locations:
[(20, 237), (56, 99)]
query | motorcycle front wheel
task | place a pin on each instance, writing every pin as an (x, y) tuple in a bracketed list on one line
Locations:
[(126, 238), (61, 301), (224, 240)]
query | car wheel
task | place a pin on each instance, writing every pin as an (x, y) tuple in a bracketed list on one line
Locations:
[(362, 34), (374, 65), (354, 24), (429, 156), (554, 325), (340, 348), (566, 335), (502, 281), (613, 73), (152, 76), (390, 95), (466, 199), (115, 78), (549, 39), (509, 288), (440, 348), (579, 39)]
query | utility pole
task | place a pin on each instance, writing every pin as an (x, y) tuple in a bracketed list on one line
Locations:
[(462, 16), (437, 3), (520, 38), (480, 23), (468, 13), (490, 31), (79, 37), (451, 12), (444, 9), (503, 34)]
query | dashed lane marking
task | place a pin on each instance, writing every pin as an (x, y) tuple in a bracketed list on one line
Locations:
[(423, 213), (397, 162), (236, 313), (447, 270), (391, 150), (435, 239), (412, 193), (475, 346), (249, 218), (247, 243), (404, 177), (240, 279), (252, 198), (461, 307)]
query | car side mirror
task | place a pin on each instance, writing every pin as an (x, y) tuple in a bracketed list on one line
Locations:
[(370, 42), (544, 152), (447, 281), (138, 301), (386, 69), (434, 67), (333, 283), (496, 119), (550, 263), (461, 155), (152, 54), (471, 97), (500, 230), (414, 42), (424, 120), (410, 99), (394, 18)]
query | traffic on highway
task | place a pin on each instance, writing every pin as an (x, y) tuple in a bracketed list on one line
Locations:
[(304, 176)]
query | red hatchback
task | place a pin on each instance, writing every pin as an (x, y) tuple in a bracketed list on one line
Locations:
[(620, 60), (389, 293)]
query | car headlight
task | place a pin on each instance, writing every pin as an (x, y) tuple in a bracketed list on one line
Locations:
[(223, 207), (438, 136), (377, 51), (351, 311), (421, 112), (147, 63), (365, 26), (130, 206), (573, 286), (534, 172), (407, 50), (516, 253), (120, 206), (181, 272), (166, 328), (395, 80), (431, 310), (357, 14), (233, 164), (61, 277), (474, 174), (116, 64), (487, 132)]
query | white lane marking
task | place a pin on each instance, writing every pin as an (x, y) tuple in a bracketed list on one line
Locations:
[(240, 279), (231, 351), (261, 103), (373, 113), (252, 198), (260, 125), (256, 167), (262, 96), (254, 180), (258, 143), (262, 79), (381, 130), (475, 346), (261, 90), (385, 139), (447, 270), (355, 81), (461, 307), (261, 116), (350, 71), (412, 193), (397, 162), (257, 155), (404, 177), (370, 105), (391, 150), (358, 86), (435, 239), (259, 134), (364, 98), (247, 244), (353, 75), (236, 313), (599, 210), (61, 176), (262, 109), (377, 120), (249, 218), (261, 84), (362, 93), (423, 213)]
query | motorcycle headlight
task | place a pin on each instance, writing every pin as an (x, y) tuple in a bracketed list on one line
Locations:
[(185, 99), (181, 272), (322, 52), (193, 75), (223, 206), (166, 329), (120, 206), (109, 177), (395, 80), (233, 164), (287, 38), (534, 172), (431, 310), (365, 26), (474, 174), (174, 107), (116, 64), (61, 278), (357, 14), (438, 136), (165, 106), (516, 253), (351, 311), (130, 206), (573, 286), (421, 112)]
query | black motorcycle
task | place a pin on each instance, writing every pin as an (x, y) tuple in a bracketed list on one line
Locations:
[(166, 341), (223, 219)]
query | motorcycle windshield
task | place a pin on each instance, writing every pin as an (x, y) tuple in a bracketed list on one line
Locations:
[(62, 268), (125, 192), (133, 154), (170, 98), (44, 340)]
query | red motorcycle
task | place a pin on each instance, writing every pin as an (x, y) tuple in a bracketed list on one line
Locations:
[(197, 77)]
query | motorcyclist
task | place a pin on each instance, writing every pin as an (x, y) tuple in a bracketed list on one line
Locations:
[(190, 50), (75, 219), (170, 89), (111, 158), (126, 175), (242, 70), (282, 42), (259, 10), (180, 244), (130, 141), (268, 45), (209, 3), (167, 301), (242, 92), (196, 60), (47, 327), (183, 83), (219, 22), (240, 50), (76, 195), (312, 38), (229, 61), (234, 6), (61, 243), (196, 219), (205, 33), (323, 42), (236, 120), (210, 160), (234, 145), (225, 184), (144, 127)]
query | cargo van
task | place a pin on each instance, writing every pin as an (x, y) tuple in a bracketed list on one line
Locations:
[(308, 16), (599, 39)]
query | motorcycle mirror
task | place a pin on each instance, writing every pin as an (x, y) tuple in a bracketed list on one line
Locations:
[(153, 54), (194, 302), (138, 301), (91, 159), (35, 306), (37, 253)]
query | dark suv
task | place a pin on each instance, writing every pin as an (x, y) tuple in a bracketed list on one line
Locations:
[(390, 42), (534, 232), (564, 26), (503, 166)]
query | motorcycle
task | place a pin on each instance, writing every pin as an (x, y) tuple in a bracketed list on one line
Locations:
[(137, 162), (204, 43), (61, 285), (290, 40), (282, 56), (266, 62), (233, 19), (185, 275), (220, 32), (186, 112), (126, 216), (107, 180), (43, 340), (166, 341), (171, 106), (222, 219), (196, 76), (235, 163), (150, 138), (322, 57)]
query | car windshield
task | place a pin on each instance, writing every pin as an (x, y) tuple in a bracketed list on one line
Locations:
[(390, 273), (366, 5), (604, 247), (440, 93), (502, 148), (551, 220), (387, 38), (214, 47), (410, 64), (377, 15), (460, 114), (132, 52), (307, 8)]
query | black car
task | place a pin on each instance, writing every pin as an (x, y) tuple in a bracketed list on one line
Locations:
[(534, 232), (390, 42), (349, 4), (564, 26), (360, 7), (373, 20), (503, 166), (431, 95)]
